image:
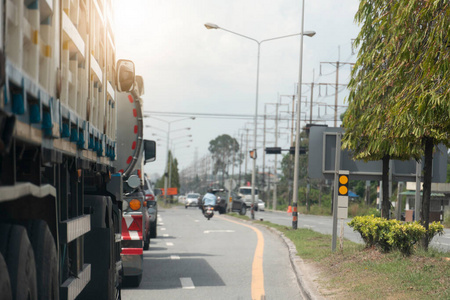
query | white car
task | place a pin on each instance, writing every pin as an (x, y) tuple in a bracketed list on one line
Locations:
[(182, 199), (261, 205), (191, 200), (245, 192)]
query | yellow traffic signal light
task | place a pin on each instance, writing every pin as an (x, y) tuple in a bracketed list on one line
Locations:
[(343, 185)]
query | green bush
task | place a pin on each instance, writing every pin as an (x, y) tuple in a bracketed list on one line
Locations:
[(374, 231), (404, 236), (392, 234), (434, 229)]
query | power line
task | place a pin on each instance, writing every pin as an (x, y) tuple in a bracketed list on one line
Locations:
[(201, 115)]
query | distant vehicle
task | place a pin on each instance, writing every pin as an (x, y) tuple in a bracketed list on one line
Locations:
[(238, 204), (245, 192), (152, 208), (191, 200), (261, 205), (182, 199)]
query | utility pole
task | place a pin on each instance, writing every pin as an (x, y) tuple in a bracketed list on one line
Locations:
[(240, 159), (246, 154), (274, 201), (264, 147), (338, 64)]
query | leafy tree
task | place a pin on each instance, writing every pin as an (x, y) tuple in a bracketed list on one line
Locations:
[(399, 92), (222, 149), (172, 171)]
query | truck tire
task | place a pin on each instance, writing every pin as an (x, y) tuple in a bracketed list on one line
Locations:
[(19, 257), (5, 285), (147, 240), (243, 210), (99, 249), (153, 229), (46, 261), (132, 281)]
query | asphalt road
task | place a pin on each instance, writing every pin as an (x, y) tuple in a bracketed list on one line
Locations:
[(324, 224), (222, 258)]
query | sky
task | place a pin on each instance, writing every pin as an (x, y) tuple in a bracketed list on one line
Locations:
[(190, 71)]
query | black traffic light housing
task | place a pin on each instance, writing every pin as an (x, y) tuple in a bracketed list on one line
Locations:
[(253, 154), (302, 150), (273, 150)]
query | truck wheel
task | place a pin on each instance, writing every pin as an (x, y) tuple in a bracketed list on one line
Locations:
[(243, 210), (19, 257), (45, 256), (132, 281), (147, 241), (5, 285), (153, 230), (146, 245)]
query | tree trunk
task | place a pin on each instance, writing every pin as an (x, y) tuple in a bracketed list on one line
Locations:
[(386, 203), (367, 195), (425, 211)]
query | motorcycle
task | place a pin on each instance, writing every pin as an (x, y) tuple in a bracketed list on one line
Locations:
[(209, 202), (208, 211)]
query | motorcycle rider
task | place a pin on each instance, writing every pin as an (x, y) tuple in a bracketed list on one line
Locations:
[(209, 199)]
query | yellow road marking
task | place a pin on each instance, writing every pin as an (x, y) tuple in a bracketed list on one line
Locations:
[(257, 266)]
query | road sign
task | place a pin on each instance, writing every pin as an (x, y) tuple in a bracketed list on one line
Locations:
[(322, 160), (230, 184)]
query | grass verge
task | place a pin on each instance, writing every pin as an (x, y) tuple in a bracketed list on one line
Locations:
[(359, 273)]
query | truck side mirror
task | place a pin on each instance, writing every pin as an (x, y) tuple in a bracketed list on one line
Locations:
[(149, 151), (140, 85), (125, 75)]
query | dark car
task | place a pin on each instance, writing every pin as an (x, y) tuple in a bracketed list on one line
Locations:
[(152, 207), (238, 205)]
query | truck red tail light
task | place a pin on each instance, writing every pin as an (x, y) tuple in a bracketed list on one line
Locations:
[(149, 197)]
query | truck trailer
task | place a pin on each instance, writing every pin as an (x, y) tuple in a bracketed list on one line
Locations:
[(60, 193)]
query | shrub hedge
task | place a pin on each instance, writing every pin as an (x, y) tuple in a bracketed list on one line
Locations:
[(393, 234)]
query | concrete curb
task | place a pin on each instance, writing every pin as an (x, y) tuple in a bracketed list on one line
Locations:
[(308, 290)]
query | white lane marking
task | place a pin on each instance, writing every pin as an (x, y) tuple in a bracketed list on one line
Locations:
[(196, 220), (169, 244), (186, 283), (174, 257), (165, 235), (162, 228), (213, 231), (160, 224)]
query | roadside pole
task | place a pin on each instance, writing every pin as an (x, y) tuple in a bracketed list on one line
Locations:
[(337, 166)]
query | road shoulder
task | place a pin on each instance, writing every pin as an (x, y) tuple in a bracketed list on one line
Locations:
[(307, 274)]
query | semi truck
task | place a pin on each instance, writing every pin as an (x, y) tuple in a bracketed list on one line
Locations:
[(60, 193)]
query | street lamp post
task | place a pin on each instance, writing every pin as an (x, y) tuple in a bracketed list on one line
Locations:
[(297, 130), (307, 33), (167, 151)]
